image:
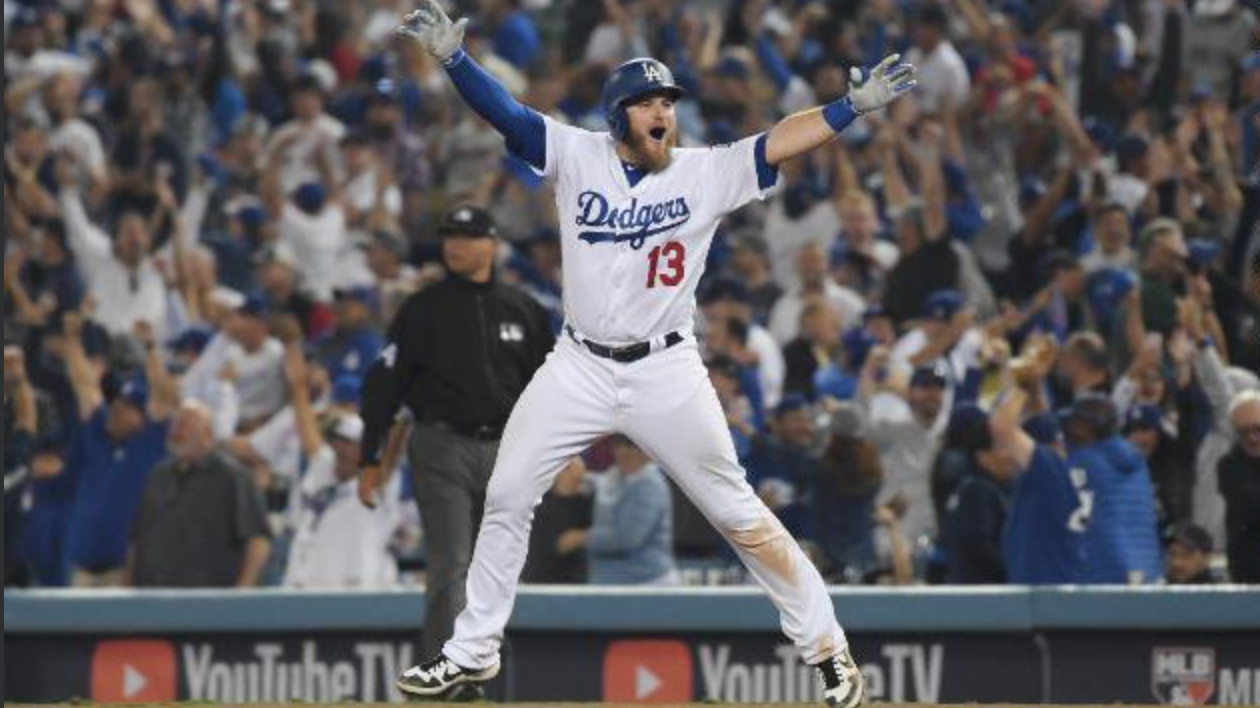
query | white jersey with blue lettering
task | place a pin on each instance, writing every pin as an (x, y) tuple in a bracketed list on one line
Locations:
[(633, 255)]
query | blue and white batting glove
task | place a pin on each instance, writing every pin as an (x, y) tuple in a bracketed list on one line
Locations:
[(430, 27), (885, 83)]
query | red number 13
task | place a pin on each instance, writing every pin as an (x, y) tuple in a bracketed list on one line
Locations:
[(666, 264)]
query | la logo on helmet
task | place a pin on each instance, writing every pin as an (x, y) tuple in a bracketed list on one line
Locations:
[(652, 73)]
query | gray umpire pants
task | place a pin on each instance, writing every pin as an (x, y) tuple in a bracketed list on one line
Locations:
[(450, 473)]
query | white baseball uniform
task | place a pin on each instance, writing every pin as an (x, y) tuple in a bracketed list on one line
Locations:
[(633, 256)]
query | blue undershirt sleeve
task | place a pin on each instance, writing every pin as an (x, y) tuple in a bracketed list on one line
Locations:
[(767, 174), (521, 126)]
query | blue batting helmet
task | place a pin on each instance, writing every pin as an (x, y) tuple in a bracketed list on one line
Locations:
[(630, 81)]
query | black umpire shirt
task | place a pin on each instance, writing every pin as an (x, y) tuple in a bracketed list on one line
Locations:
[(460, 353)]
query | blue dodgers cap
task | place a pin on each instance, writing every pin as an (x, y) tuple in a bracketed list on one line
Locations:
[(942, 304), (1044, 428), (934, 375), (1130, 147), (1203, 251), (255, 306), (252, 216), (1031, 190), (346, 389), (789, 403), (193, 339), (310, 197), (1095, 410), (365, 294), (1101, 133), (733, 67), (1143, 417), (134, 390), (873, 311), (1107, 289)]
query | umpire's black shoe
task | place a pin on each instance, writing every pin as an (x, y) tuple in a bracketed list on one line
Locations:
[(436, 676), (842, 681)]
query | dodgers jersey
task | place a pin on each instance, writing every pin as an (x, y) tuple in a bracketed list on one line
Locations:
[(633, 255)]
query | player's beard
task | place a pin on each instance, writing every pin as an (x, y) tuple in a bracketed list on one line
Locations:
[(650, 154)]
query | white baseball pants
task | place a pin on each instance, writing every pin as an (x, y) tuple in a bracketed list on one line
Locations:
[(666, 405)]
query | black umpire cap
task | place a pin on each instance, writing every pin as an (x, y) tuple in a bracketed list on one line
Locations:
[(468, 221)]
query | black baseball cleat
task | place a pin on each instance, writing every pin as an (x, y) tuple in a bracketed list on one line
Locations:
[(464, 693), (842, 681), (439, 675)]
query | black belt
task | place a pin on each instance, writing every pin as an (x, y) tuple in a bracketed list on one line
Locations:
[(483, 433), (624, 355)]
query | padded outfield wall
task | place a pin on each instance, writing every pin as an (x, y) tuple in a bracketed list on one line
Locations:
[(1063, 645)]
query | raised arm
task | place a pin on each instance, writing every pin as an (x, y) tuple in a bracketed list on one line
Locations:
[(1008, 434), (163, 387), (801, 132), (88, 243), (295, 372), (83, 379), (25, 413), (522, 127)]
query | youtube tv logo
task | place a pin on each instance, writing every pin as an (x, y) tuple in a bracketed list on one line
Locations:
[(648, 671), (134, 671)]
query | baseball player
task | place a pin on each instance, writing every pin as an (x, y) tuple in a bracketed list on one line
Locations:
[(637, 216)]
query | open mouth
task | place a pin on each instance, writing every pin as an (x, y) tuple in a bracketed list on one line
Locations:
[(657, 134)]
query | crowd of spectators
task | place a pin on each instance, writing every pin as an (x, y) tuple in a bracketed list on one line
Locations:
[(1005, 332)]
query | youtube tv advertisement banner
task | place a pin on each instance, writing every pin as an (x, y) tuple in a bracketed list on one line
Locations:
[(1179, 668)]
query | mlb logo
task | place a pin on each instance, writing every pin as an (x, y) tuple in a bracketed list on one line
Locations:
[(1183, 676), (134, 671)]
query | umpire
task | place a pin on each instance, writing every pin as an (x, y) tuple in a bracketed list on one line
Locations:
[(460, 353)]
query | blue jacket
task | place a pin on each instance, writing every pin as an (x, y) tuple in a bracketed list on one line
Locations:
[(1122, 537), (631, 540)]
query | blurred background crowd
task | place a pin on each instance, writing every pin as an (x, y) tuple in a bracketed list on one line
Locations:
[(213, 208)]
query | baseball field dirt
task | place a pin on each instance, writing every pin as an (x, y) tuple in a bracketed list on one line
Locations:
[(561, 704)]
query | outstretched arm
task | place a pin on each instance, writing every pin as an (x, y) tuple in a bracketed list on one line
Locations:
[(801, 132), (521, 126), (1006, 430)]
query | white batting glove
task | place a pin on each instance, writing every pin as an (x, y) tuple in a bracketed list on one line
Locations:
[(429, 26), (887, 81)]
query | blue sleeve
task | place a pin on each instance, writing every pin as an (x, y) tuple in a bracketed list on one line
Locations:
[(521, 126), (767, 174), (637, 513), (774, 63)]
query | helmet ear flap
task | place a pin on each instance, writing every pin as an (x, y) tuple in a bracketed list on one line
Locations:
[(619, 122)]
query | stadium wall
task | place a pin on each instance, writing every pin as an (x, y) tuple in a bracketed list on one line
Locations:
[(1074, 645)]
